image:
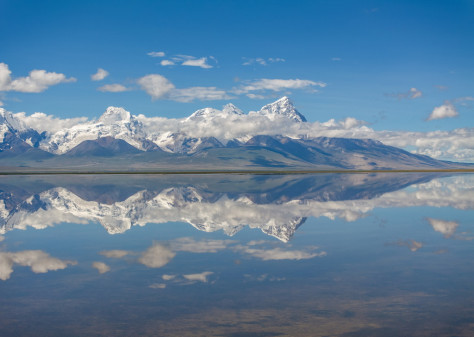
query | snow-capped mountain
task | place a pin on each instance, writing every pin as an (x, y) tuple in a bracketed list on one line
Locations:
[(118, 123), (15, 136), (209, 137), (281, 108), (115, 122)]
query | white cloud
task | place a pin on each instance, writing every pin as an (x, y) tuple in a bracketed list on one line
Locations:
[(203, 246), (157, 286), (159, 87), (411, 244), (156, 54), (201, 62), (101, 267), (156, 86), (255, 96), (99, 75), (113, 88), (410, 94), (167, 63), (261, 61), (167, 277), (156, 256), (200, 93), (279, 253), (37, 81), (39, 262), (447, 110), (188, 60), (43, 122), (114, 253), (201, 277), (447, 228), (415, 93), (277, 85)]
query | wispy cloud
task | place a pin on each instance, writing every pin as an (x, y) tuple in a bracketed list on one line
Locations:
[(115, 253), (261, 61), (190, 61), (99, 75), (159, 87), (276, 85), (156, 54), (113, 88), (336, 59), (37, 80), (410, 94)]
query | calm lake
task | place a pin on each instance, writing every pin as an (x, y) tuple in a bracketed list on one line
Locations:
[(386, 254)]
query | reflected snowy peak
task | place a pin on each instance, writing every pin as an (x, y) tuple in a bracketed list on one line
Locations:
[(277, 205)]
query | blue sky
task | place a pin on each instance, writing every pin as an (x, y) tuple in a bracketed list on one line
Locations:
[(390, 63)]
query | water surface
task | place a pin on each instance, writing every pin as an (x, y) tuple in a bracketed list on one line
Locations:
[(237, 255)]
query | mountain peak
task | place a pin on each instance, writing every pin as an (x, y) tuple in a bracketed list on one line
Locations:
[(231, 109), (206, 112), (115, 114), (10, 121), (282, 107)]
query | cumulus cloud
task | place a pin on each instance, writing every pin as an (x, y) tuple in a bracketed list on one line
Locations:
[(167, 63), (113, 88), (447, 228), (410, 94), (277, 85), (101, 267), (37, 80), (156, 54), (201, 63), (100, 75), (447, 110), (261, 61), (156, 256), (39, 262), (156, 86), (43, 122)]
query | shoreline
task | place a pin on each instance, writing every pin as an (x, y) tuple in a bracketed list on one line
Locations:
[(210, 172)]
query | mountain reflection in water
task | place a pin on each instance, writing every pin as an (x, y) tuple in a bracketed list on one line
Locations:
[(384, 254)]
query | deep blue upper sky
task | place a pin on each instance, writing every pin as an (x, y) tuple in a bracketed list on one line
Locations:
[(370, 54)]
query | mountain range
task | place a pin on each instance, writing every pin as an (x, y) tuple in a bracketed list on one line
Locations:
[(207, 139)]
